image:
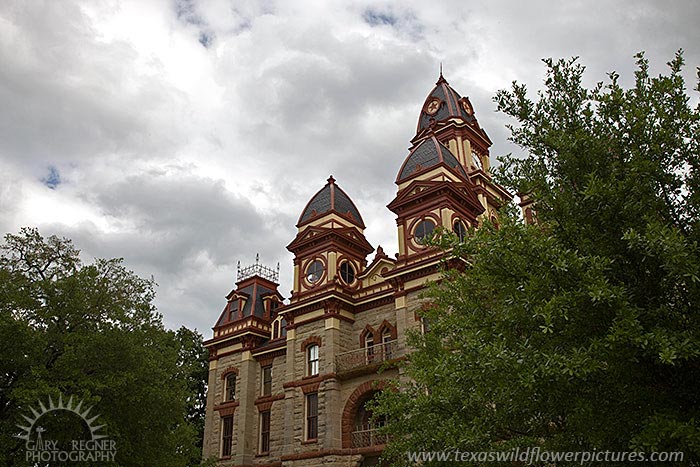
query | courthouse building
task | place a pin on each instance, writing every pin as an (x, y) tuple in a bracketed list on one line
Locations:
[(288, 383)]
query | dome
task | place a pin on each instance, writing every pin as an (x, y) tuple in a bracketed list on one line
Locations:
[(331, 198), (428, 154), (444, 103)]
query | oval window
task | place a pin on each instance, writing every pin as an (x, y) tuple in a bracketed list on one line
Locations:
[(424, 230), (460, 230), (314, 271), (347, 272)]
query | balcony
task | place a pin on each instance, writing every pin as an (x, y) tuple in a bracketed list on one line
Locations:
[(367, 435), (368, 358)]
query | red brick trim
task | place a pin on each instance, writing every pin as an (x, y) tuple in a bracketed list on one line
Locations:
[(356, 399), (267, 361), (265, 403), (310, 340), (310, 387), (387, 325), (228, 371), (226, 408)]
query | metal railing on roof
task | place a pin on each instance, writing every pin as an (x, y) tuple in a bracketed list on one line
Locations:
[(258, 269)]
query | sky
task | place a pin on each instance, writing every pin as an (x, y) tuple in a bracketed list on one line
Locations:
[(186, 135)]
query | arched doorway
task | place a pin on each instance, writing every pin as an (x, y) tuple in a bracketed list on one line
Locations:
[(360, 429)]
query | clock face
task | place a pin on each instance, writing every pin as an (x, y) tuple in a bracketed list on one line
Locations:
[(467, 108), (432, 107)]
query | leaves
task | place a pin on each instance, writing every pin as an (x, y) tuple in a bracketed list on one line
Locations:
[(91, 331)]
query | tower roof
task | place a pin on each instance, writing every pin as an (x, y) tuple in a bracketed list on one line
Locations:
[(331, 198), (428, 154), (444, 103)]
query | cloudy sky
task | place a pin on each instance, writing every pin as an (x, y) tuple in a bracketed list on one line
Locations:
[(185, 135)]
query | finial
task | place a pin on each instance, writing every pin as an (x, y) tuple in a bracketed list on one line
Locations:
[(440, 69), (331, 180), (257, 258)]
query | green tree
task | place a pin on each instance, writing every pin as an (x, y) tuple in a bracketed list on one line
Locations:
[(194, 368), (581, 332), (91, 331)]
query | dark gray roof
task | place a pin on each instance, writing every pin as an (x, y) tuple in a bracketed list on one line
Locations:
[(331, 198), (429, 153), (451, 106)]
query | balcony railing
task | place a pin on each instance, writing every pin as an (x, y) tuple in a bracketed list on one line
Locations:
[(371, 355), (367, 435)]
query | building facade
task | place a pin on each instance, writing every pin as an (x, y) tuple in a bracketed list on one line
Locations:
[(288, 382)]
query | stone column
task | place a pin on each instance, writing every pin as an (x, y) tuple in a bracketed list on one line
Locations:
[(246, 447), (332, 438)]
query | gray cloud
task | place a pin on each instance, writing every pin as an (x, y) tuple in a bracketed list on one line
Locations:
[(186, 135)]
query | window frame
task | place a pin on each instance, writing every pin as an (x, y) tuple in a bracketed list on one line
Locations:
[(265, 429), (312, 364), (320, 274), (227, 387), (369, 347), (226, 436), (421, 240), (311, 416), (462, 231), (265, 383), (347, 272)]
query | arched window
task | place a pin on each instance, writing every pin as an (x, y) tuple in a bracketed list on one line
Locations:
[(460, 230), (423, 230), (230, 387), (312, 360), (347, 272), (387, 343)]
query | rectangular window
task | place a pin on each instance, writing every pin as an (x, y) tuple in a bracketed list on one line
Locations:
[(267, 380), (312, 416), (264, 432), (312, 360), (226, 435)]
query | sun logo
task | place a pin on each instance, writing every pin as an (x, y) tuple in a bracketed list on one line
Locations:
[(52, 407)]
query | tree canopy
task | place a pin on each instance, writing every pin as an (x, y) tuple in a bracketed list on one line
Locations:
[(91, 331), (581, 332)]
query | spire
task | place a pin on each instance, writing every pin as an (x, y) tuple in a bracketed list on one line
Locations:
[(441, 79)]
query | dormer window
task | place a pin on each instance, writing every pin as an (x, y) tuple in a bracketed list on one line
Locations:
[(314, 271)]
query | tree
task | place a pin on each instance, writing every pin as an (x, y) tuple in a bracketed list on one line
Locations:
[(92, 332), (581, 332)]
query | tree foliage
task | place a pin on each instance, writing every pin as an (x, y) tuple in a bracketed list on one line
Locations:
[(581, 332), (91, 331)]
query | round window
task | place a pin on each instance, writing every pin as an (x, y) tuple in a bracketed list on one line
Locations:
[(314, 271), (460, 230), (424, 230), (347, 272)]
